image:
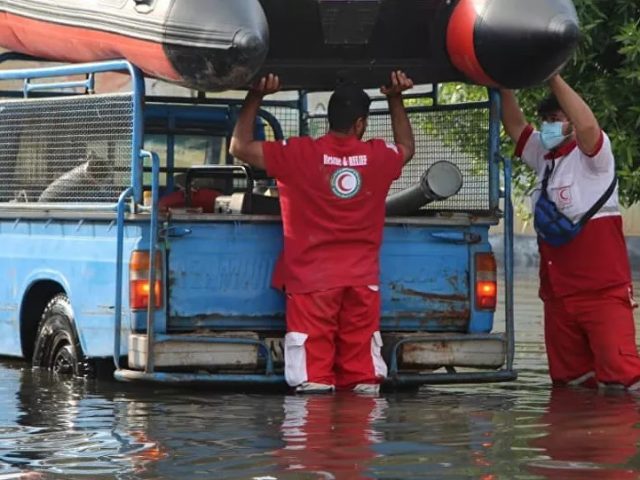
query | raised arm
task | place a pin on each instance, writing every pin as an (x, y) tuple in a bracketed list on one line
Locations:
[(402, 131), (244, 146), (513, 119), (580, 115)]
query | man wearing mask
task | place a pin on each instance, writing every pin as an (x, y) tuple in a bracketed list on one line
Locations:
[(332, 195), (585, 279)]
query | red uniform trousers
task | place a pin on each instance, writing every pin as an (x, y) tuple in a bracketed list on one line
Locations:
[(590, 338), (333, 337)]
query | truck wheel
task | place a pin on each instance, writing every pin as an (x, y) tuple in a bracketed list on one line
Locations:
[(57, 347)]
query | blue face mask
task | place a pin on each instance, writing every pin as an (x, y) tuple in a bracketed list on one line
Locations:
[(551, 134)]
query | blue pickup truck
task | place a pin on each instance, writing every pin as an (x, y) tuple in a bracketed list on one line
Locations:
[(100, 271)]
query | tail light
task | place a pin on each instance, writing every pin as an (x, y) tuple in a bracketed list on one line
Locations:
[(485, 282), (139, 288)]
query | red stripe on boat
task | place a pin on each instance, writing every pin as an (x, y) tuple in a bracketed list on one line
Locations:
[(460, 43), (75, 44)]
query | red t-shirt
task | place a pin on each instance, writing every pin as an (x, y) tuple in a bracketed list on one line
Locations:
[(332, 196)]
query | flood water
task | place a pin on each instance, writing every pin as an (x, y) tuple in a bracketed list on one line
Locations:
[(519, 430)]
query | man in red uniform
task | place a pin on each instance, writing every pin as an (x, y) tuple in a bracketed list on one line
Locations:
[(585, 283), (332, 196)]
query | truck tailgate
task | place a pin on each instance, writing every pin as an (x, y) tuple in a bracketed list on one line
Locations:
[(219, 277)]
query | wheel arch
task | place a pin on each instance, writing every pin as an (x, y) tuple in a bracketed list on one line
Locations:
[(35, 299)]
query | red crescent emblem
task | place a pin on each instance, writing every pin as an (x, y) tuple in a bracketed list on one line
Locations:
[(345, 183), (341, 180)]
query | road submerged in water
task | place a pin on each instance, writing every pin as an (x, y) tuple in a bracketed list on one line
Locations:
[(520, 430)]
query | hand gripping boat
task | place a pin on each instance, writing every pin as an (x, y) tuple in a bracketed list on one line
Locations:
[(312, 44)]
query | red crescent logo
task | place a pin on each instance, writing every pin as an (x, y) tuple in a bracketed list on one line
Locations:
[(345, 183), (341, 182)]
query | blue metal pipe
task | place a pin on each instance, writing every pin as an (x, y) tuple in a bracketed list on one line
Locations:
[(494, 149), (68, 70), (119, 268), (303, 112), (508, 264), (40, 206), (508, 238), (173, 378), (401, 380), (137, 138), (90, 69), (153, 240), (219, 100), (33, 87)]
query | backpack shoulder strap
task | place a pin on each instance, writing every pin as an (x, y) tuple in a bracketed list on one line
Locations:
[(548, 169), (601, 201)]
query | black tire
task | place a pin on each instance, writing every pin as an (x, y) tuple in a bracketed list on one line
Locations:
[(57, 347)]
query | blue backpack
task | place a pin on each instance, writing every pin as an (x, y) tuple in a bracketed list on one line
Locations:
[(552, 225)]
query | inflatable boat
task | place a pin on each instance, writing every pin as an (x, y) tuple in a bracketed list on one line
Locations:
[(203, 44), (311, 44)]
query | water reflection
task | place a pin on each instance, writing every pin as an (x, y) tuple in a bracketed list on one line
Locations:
[(520, 430), (63, 428), (434, 435), (589, 435), (69, 430), (330, 437), (83, 430)]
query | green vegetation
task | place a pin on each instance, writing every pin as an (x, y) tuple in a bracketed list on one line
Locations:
[(606, 71)]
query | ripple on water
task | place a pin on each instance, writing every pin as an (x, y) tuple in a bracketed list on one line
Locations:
[(518, 430)]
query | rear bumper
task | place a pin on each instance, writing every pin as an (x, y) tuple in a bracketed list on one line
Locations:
[(420, 351), (400, 380), (243, 358)]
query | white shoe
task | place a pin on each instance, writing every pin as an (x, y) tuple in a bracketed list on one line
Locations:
[(614, 387), (634, 387), (311, 387), (367, 388)]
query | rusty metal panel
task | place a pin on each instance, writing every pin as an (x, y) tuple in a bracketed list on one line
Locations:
[(424, 281), (189, 354), (475, 353), (219, 276)]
